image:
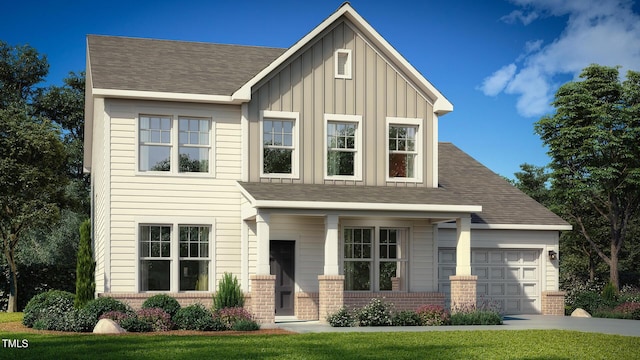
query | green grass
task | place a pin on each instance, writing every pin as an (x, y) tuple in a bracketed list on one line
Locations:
[(10, 317)]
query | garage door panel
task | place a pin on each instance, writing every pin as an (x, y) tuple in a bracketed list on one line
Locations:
[(530, 289), (497, 257), (513, 273), (447, 256), (530, 273), (514, 290), (512, 306), (497, 289), (480, 257), (481, 289), (530, 257), (481, 272), (446, 271), (497, 273)]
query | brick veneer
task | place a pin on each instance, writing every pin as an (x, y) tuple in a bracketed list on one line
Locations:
[(184, 299), (400, 300), (263, 295), (463, 290), (307, 306), (553, 303), (331, 297)]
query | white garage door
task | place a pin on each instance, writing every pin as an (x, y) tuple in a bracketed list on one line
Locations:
[(510, 277)]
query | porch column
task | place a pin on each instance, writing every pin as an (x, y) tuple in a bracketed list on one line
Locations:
[(263, 284), (331, 284), (463, 284)]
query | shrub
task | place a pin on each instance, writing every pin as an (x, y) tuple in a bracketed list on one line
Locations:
[(432, 315), (46, 307), (116, 316), (97, 307), (196, 317), (474, 315), (157, 318), (245, 325), (134, 324), (85, 268), (375, 313), (229, 294), (406, 318), (609, 293), (164, 302), (341, 318), (629, 293), (229, 316), (590, 301)]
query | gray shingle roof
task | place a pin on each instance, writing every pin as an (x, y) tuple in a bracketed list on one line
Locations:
[(174, 66), (463, 181)]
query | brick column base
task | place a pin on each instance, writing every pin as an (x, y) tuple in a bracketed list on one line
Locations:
[(331, 295), (263, 298), (463, 291), (553, 303)]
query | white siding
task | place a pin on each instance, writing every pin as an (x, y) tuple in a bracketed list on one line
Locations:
[(99, 173)]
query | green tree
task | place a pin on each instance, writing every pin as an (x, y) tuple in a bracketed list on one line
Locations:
[(21, 67), (85, 268), (593, 142), (534, 181)]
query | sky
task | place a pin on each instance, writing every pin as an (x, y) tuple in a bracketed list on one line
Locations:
[(498, 61)]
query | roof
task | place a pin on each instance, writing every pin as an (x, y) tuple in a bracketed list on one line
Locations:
[(464, 183), (123, 63)]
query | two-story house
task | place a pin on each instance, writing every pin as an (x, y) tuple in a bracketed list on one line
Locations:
[(314, 174)]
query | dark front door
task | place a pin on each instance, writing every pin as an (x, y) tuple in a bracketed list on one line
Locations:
[(281, 259)]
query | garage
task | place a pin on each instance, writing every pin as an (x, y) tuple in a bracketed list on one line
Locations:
[(510, 277)]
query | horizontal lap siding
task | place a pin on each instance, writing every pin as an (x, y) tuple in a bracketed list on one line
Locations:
[(135, 196), (99, 171)]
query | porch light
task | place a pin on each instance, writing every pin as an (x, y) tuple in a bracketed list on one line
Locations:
[(553, 255)]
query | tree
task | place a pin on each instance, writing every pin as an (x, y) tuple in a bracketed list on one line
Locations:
[(85, 268), (21, 67), (533, 181), (593, 142)]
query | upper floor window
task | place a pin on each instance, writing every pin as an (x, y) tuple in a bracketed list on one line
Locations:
[(403, 149), (343, 146), (158, 136), (343, 64), (279, 144)]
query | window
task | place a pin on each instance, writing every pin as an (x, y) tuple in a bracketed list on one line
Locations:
[(343, 148), (403, 150), (279, 141), (343, 64), (375, 262), (158, 136), (164, 269)]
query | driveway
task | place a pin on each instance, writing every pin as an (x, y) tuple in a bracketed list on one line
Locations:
[(516, 322)]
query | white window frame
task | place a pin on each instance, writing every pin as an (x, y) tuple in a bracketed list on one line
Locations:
[(174, 223), (347, 66), (357, 159), (295, 155), (175, 116), (376, 226), (418, 168)]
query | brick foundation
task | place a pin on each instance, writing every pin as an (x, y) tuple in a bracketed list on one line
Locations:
[(463, 291), (307, 306), (553, 303), (263, 295), (135, 300), (331, 295), (400, 300)]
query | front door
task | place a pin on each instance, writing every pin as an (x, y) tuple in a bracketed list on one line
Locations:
[(281, 259)]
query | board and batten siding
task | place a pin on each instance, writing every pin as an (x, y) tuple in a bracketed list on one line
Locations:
[(306, 84), (422, 268), (159, 198)]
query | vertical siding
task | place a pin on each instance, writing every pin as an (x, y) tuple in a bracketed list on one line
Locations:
[(134, 196), (422, 258), (306, 84)]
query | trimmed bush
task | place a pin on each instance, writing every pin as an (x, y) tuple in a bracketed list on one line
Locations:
[(230, 316), (134, 324), (375, 313), (102, 305), (197, 317), (85, 268), (433, 315), (229, 294), (116, 316), (341, 318), (157, 318), (45, 308), (164, 302), (406, 318), (245, 325), (475, 315)]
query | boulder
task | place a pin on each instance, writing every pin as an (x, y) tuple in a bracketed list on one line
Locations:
[(108, 326), (580, 313)]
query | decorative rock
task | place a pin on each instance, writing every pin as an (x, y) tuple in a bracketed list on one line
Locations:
[(580, 313), (108, 326)]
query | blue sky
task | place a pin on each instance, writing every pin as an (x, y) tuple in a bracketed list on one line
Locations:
[(498, 61)]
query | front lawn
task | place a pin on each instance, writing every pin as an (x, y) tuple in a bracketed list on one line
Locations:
[(538, 344)]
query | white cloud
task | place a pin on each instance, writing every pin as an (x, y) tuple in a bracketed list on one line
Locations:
[(518, 15), (605, 32)]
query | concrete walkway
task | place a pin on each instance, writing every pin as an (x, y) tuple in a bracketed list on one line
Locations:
[(516, 322)]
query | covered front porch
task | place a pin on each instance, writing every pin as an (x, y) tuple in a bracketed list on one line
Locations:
[(307, 258)]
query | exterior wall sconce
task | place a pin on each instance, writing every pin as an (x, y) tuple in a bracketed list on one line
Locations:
[(553, 255)]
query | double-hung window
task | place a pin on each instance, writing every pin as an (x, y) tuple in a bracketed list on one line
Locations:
[(279, 155), (155, 257), (194, 258), (375, 258), (174, 144), (343, 147), (404, 150)]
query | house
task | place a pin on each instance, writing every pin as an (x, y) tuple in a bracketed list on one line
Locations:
[(314, 174)]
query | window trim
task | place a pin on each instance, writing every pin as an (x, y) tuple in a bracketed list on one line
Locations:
[(413, 122), (347, 67), (175, 116), (357, 160), (295, 156), (174, 259)]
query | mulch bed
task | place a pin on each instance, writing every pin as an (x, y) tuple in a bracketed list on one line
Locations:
[(17, 327)]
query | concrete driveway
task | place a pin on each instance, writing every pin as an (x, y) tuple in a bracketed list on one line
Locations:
[(516, 322)]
